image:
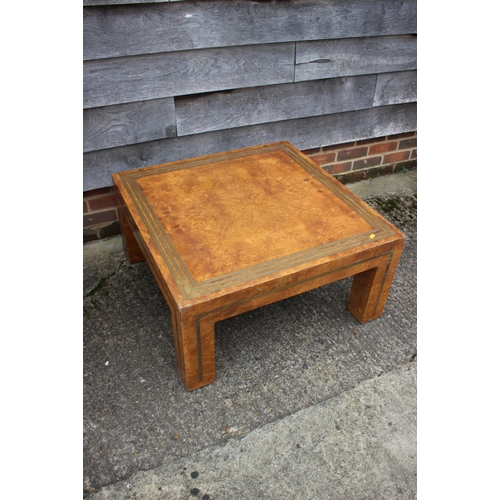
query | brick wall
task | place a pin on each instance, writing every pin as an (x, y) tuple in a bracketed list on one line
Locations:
[(356, 161), (100, 218), (350, 162)]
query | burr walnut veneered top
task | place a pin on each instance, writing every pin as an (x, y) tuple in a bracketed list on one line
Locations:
[(236, 213)]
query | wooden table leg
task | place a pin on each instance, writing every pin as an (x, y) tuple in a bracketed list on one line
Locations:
[(195, 349), (130, 246), (370, 288)]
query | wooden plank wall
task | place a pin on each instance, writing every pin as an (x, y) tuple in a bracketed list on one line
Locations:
[(170, 80)]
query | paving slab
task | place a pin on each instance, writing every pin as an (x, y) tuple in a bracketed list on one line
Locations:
[(361, 444), (272, 364)]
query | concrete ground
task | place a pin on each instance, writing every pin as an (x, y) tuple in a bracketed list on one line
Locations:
[(308, 403)]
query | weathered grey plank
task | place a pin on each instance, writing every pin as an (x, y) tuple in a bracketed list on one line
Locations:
[(305, 133), (396, 88), (123, 124), (132, 30), (138, 78), (242, 107), (122, 2), (355, 56)]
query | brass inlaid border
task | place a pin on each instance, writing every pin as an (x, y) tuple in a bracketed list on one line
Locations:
[(187, 285)]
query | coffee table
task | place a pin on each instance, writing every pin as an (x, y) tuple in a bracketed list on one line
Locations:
[(230, 232)]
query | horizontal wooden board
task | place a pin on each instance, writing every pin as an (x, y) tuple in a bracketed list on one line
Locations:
[(132, 30), (396, 88), (138, 78), (355, 56), (123, 124), (122, 2), (242, 107), (304, 133)]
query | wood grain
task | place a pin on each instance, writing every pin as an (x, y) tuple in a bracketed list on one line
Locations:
[(123, 124), (131, 247), (128, 30), (227, 233), (224, 217), (124, 2), (396, 88), (137, 78), (355, 56), (305, 133), (370, 288), (242, 107)]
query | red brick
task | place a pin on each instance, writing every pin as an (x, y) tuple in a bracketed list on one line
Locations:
[(102, 202), (380, 171), (85, 207), (370, 141), (324, 158), (338, 168), (402, 136), (383, 148), (310, 152), (97, 218), (90, 235), (336, 147), (414, 154), (97, 192), (367, 163), (350, 177), (109, 230), (408, 143), (349, 154), (400, 156)]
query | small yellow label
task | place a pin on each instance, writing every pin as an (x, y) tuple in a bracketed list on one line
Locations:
[(372, 236)]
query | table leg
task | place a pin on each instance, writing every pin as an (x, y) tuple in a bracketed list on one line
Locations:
[(130, 246), (195, 349), (370, 289)]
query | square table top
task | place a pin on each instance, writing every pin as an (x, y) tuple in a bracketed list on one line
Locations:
[(222, 222)]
